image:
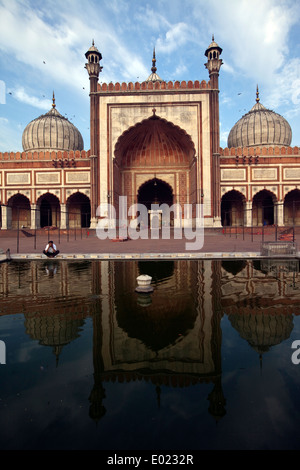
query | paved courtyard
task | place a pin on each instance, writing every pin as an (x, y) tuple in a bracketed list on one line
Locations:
[(83, 243)]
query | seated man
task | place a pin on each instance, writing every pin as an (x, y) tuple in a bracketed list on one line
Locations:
[(51, 250)]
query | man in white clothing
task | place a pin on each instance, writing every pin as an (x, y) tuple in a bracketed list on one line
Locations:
[(51, 251)]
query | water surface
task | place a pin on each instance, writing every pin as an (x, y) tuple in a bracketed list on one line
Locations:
[(204, 362)]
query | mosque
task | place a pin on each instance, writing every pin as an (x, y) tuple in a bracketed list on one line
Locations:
[(153, 142)]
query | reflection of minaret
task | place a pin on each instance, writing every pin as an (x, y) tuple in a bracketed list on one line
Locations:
[(57, 350), (97, 410), (217, 401), (216, 397), (158, 393), (260, 362)]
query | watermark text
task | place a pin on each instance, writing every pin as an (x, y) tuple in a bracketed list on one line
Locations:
[(2, 352), (296, 354), (139, 222)]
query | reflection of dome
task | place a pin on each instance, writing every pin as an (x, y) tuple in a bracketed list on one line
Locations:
[(160, 271), (55, 330), (159, 325), (262, 331), (51, 131), (259, 127), (234, 267)]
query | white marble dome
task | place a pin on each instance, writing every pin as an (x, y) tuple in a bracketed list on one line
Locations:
[(51, 131), (260, 127)]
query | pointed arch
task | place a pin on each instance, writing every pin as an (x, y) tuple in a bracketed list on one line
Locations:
[(19, 205), (48, 205), (156, 146), (232, 208), (79, 210), (155, 191), (292, 207), (154, 141), (263, 204)]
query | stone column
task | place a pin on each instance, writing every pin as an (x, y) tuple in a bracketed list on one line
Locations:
[(248, 214), (35, 216), (6, 217), (63, 216), (278, 216)]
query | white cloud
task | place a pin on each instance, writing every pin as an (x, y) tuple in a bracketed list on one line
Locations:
[(227, 68), (151, 19), (177, 35), (21, 95), (180, 70), (55, 49), (254, 35)]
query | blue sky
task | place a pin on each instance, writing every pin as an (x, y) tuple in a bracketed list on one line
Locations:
[(42, 47)]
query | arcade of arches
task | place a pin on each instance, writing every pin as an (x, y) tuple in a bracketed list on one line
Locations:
[(235, 210), (48, 212), (264, 209)]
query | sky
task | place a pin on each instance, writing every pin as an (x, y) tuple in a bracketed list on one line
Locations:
[(43, 45)]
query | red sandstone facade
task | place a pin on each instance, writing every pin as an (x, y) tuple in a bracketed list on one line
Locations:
[(153, 142)]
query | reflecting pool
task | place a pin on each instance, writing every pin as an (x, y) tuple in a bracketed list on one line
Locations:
[(205, 361)]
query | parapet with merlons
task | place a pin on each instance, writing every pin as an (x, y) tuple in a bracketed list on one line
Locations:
[(152, 86), (54, 156), (261, 151)]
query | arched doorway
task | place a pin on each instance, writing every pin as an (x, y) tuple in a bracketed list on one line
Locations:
[(232, 209), (20, 211), (155, 146), (263, 208), (292, 208), (49, 207), (79, 210), (155, 191), (158, 192)]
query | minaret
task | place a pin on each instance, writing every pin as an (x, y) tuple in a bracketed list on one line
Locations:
[(213, 66), (94, 68)]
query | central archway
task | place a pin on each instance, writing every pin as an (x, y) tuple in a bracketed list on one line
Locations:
[(155, 191), (155, 146), (158, 192)]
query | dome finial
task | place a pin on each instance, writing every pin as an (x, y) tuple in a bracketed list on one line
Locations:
[(213, 38), (53, 101), (153, 68), (93, 42), (257, 94)]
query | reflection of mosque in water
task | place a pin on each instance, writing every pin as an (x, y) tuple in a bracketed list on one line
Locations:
[(171, 337)]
